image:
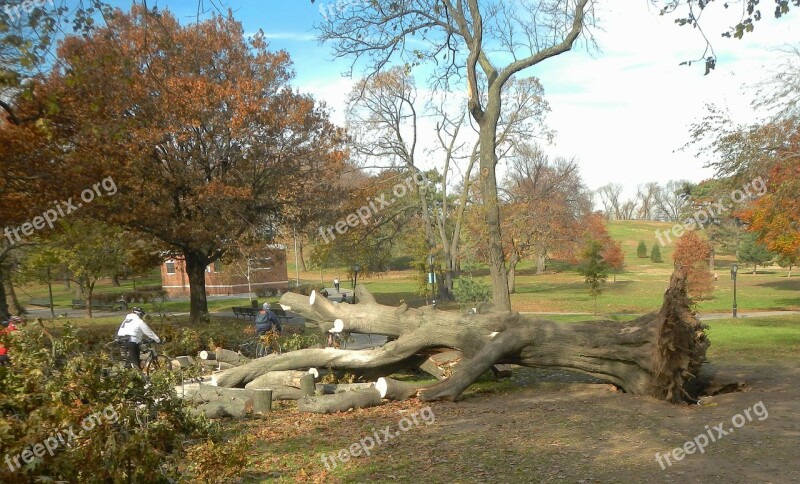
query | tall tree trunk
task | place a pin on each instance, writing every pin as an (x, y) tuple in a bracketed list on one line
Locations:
[(3, 301), (301, 260), (512, 272), (115, 280), (88, 300), (541, 261), (196, 264), (16, 306), (67, 284), (488, 162)]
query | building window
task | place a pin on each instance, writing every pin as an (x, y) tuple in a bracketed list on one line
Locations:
[(170, 267), (217, 266)]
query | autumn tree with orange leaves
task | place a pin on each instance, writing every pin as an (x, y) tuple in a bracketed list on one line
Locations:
[(199, 128), (692, 254)]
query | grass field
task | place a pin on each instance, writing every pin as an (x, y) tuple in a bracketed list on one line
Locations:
[(638, 288)]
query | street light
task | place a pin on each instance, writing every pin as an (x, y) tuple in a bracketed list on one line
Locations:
[(356, 268), (432, 278), (734, 270)]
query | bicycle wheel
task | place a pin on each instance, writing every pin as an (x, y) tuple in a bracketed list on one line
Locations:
[(274, 347), (261, 350), (160, 362)]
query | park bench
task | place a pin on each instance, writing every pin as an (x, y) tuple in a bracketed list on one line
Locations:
[(245, 311), (81, 304), (40, 301), (281, 314)]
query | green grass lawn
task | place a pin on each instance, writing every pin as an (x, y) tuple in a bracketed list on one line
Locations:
[(638, 289), (766, 339)]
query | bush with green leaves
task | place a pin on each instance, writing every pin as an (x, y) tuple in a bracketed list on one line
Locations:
[(641, 250), (71, 415), (655, 254), (470, 292)]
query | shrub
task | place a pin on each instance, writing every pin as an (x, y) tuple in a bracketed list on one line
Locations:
[(116, 427), (470, 292), (641, 250), (655, 254)]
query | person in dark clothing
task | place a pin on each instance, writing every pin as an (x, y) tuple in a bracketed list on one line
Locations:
[(265, 319)]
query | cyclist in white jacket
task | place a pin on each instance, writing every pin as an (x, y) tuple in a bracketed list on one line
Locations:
[(130, 334)]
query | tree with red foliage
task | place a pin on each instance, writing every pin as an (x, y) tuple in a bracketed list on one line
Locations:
[(692, 254)]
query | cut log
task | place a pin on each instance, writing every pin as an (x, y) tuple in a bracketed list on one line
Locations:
[(331, 388), (398, 390), (255, 400), (430, 367), (207, 355), (282, 393), (223, 409), (232, 357), (340, 402), (307, 387), (216, 365), (262, 401), (182, 362), (216, 402), (658, 354), (287, 378)]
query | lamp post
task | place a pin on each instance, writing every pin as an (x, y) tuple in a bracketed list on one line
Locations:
[(356, 268), (734, 270), (432, 278)]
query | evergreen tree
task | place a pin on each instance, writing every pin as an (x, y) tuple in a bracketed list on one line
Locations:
[(655, 254), (593, 267), (641, 250), (754, 252)]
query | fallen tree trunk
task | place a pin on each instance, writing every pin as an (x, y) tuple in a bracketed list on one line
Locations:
[(287, 378), (658, 354), (391, 389), (340, 402), (232, 357)]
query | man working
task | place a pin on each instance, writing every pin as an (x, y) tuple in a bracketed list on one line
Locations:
[(130, 334), (265, 319)]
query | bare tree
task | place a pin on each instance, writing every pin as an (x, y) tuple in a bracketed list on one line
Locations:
[(645, 194), (628, 209), (384, 116), (485, 44), (610, 195), (671, 199)]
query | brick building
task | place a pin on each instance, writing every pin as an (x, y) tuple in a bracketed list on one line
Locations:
[(222, 279)]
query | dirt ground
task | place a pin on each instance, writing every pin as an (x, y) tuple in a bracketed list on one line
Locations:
[(564, 430)]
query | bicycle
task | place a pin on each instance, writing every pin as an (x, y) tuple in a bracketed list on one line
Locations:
[(155, 360), (263, 345), (150, 359), (337, 340)]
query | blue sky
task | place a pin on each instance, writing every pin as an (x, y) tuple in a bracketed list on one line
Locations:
[(623, 111)]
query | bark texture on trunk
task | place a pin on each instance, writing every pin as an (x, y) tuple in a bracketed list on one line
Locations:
[(658, 354), (196, 264)]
